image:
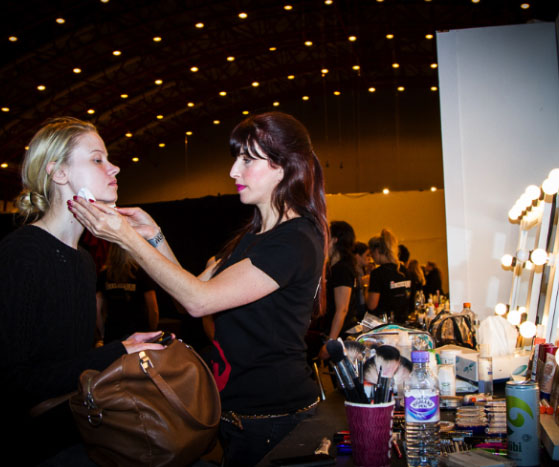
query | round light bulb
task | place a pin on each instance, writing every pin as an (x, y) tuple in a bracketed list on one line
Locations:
[(500, 309), (550, 186), (514, 214), (527, 329), (506, 260), (514, 317), (554, 175), (538, 257), (533, 192), (525, 201), (528, 265), (522, 255)]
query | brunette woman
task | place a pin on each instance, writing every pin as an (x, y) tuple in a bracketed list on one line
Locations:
[(47, 292), (389, 288), (263, 289)]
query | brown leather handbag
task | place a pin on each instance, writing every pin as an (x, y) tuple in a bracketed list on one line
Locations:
[(150, 408)]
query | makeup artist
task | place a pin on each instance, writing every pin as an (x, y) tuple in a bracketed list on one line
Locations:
[(262, 292)]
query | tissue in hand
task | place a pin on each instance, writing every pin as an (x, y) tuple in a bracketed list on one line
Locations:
[(86, 194)]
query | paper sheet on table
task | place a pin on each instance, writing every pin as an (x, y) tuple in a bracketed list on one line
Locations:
[(499, 334)]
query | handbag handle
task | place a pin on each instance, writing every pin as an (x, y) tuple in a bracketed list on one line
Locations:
[(149, 369)]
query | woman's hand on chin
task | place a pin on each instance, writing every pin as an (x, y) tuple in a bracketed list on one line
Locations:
[(102, 221), (141, 221)]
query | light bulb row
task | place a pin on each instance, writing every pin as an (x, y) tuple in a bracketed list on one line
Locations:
[(527, 208), (527, 328)]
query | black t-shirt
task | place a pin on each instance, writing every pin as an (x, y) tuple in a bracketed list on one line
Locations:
[(259, 360), (394, 289), (341, 274), (125, 304)]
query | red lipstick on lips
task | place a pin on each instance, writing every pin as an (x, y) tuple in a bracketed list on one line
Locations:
[(240, 187)]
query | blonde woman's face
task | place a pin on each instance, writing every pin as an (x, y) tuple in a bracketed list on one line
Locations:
[(89, 167)]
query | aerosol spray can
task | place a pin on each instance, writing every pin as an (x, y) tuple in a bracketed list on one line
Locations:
[(523, 422)]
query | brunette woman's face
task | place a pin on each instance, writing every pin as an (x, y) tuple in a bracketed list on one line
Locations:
[(89, 167), (255, 179)]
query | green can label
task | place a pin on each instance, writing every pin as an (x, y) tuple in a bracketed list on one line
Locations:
[(523, 424)]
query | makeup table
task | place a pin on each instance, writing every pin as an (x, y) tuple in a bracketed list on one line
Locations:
[(329, 419)]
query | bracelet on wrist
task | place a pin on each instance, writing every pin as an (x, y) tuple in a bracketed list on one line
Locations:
[(155, 241)]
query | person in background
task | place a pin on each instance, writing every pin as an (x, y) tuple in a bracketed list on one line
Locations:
[(403, 257), (433, 282), (47, 294), (263, 289), (126, 298), (415, 275), (389, 288), (363, 262), (342, 284)]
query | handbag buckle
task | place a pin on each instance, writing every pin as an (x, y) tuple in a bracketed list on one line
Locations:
[(145, 362), (94, 413)]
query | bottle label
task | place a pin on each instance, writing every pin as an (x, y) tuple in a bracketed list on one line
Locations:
[(422, 407)]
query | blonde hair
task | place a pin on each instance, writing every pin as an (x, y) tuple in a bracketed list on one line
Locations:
[(387, 246), (416, 272), (54, 142)]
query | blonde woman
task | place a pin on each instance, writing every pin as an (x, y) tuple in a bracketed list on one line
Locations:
[(389, 288), (47, 291)]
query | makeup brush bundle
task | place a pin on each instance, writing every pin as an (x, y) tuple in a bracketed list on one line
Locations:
[(366, 374)]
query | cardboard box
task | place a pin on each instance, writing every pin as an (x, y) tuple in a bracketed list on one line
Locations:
[(503, 367)]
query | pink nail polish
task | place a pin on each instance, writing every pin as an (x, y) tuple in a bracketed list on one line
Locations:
[(92, 201), (75, 198)]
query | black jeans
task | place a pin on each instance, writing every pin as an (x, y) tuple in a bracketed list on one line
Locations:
[(245, 448)]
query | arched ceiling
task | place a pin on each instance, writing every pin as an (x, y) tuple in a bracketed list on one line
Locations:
[(267, 47)]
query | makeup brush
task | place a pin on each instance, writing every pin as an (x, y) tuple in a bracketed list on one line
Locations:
[(345, 373), (389, 358), (355, 353)]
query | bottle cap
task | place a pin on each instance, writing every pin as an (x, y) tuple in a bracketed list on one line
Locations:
[(467, 305), (419, 356)]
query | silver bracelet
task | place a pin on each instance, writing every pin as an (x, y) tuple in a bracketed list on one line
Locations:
[(155, 241)]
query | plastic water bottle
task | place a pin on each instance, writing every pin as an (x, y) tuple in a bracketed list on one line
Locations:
[(485, 370), (421, 393)]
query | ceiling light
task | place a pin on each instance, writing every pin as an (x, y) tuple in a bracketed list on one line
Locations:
[(352, 38), (128, 135), (193, 69), (371, 89), (433, 188), (91, 111), (223, 93), (324, 71), (135, 159), (356, 67), (305, 98), (390, 36), (159, 117), (5, 109), (433, 65), (188, 133), (159, 82), (308, 43), (60, 20), (255, 84), (4, 165), (276, 104), (199, 25), (273, 49), (116, 53), (161, 145), (245, 112), (124, 96), (243, 15), (41, 87), (288, 7), (291, 77), (12, 39), (157, 39), (230, 58), (337, 93), (77, 70), (401, 88), (428, 36), (328, 2), (216, 122), (524, 6), (190, 104), (395, 65), (434, 88), (104, 1), (385, 191), (475, 1)]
